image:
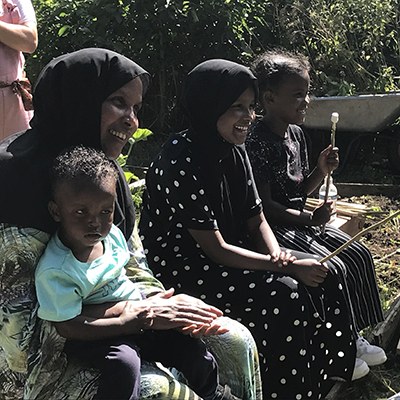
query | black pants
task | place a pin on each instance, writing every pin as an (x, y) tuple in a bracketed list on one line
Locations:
[(119, 361)]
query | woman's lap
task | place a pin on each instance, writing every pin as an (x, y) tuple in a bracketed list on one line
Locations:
[(240, 369), (282, 325), (21, 331), (20, 250)]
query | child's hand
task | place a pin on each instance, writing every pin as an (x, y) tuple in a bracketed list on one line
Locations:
[(309, 271), (328, 160), (137, 316), (322, 214)]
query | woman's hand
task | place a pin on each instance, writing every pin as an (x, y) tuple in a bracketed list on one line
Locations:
[(309, 271), (169, 312), (215, 328), (328, 160)]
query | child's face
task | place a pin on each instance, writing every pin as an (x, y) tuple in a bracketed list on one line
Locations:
[(84, 212), (289, 102), (234, 123)]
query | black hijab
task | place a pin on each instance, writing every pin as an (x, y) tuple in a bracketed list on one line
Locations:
[(210, 89), (67, 99)]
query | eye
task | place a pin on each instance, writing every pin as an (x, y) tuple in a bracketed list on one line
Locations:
[(136, 109), (107, 212), (117, 101), (79, 212)]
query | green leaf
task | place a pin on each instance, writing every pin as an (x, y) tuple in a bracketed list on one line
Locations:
[(64, 30), (141, 134)]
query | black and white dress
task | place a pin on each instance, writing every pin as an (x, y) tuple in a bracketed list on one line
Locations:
[(283, 163), (303, 334)]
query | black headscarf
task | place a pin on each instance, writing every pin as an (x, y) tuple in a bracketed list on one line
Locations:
[(67, 100), (210, 89)]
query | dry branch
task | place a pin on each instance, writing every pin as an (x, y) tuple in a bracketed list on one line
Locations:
[(363, 232)]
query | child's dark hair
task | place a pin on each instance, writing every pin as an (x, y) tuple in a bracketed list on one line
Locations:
[(81, 163), (273, 66)]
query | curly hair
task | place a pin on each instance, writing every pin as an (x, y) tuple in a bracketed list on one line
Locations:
[(273, 66), (84, 164)]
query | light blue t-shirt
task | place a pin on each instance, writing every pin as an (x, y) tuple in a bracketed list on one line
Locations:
[(64, 284)]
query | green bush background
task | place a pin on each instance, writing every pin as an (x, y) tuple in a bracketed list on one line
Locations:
[(353, 44)]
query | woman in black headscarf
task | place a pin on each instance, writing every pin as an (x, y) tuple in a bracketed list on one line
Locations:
[(90, 97), (204, 232)]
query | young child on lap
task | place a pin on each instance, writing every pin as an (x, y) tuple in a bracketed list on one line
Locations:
[(81, 282)]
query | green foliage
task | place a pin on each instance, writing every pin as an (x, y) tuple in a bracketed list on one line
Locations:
[(353, 44), (138, 136)]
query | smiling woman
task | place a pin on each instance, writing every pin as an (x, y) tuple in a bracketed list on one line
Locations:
[(90, 97), (204, 229), (119, 117)]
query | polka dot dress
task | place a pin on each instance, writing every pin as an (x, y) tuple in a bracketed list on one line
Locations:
[(303, 334)]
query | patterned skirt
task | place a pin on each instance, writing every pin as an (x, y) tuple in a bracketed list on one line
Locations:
[(32, 362), (355, 264)]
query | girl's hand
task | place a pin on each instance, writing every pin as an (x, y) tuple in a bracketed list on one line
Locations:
[(282, 258), (322, 214), (309, 271), (328, 160)]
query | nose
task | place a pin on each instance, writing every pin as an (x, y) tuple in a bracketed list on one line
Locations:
[(93, 221), (130, 117)]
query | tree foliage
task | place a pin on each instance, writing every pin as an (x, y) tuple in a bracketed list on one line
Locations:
[(353, 44)]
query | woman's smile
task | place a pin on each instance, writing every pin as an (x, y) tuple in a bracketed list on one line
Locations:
[(119, 135)]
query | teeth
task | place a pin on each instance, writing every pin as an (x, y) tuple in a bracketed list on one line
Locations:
[(242, 128), (119, 135)]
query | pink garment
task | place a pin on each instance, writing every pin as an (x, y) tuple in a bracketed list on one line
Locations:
[(13, 117)]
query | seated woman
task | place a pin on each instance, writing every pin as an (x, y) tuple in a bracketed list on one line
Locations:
[(89, 97), (278, 153), (204, 231)]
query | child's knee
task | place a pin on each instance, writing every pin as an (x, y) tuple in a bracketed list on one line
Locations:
[(125, 359)]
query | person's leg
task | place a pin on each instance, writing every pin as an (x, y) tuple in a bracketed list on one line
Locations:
[(354, 263), (355, 270), (119, 363), (237, 357), (188, 355)]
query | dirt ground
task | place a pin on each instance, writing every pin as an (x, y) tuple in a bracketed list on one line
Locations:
[(384, 243)]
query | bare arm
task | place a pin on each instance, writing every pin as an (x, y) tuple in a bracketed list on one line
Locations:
[(328, 161), (161, 312), (84, 327), (105, 310), (308, 271), (214, 245), (262, 235), (21, 37), (279, 214), (314, 180)]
